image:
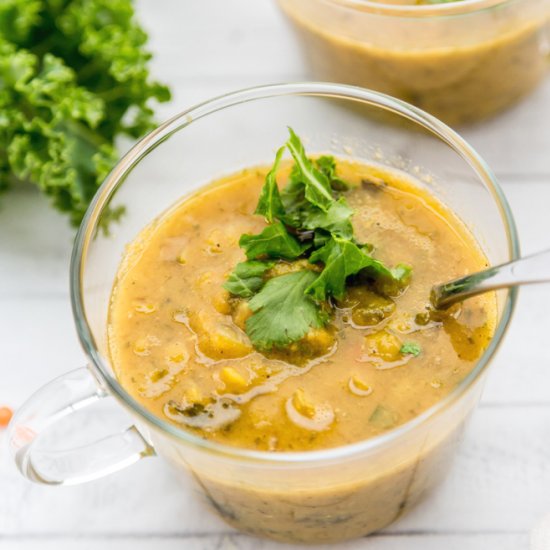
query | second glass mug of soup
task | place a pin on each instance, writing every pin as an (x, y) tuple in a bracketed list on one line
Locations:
[(461, 60), (322, 495)]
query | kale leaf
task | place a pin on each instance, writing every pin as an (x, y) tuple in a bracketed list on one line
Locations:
[(74, 77), (274, 242), (341, 258)]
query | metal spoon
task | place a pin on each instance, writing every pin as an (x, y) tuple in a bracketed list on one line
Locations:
[(525, 271)]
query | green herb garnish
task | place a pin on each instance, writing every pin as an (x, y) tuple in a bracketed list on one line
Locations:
[(274, 241), (308, 221), (410, 348), (270, 205), (341, 258), (74, 76), (283, 312), (317, 186), (247, 278)]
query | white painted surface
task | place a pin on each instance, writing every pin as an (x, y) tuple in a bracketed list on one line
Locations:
[(499, 489)]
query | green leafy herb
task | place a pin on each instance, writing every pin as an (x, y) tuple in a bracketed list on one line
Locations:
[(388, 281), (274, 241), (309, 222), (336, 219), (247, 278), (317, 185), (327, 165), (73, 77), (341, 258), (270, 204), (283, 312), (411, 348)]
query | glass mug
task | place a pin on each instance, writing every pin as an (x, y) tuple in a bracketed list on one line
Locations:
[(315, 496)]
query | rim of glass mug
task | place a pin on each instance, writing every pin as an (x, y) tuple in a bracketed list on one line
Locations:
[(442, 9), (186, 118)]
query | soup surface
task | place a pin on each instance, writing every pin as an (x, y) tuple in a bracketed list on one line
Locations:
[(178, 346)]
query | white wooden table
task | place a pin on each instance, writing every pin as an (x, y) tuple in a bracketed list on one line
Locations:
[(499, 489)]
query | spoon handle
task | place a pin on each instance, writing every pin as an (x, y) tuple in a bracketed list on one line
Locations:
[(528, 270)]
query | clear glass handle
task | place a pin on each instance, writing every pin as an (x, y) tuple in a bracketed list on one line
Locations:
[(60, 398)]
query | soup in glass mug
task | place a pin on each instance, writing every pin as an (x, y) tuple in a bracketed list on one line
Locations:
[(268, 326)]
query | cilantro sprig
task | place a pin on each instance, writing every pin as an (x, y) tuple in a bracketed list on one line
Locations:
[(309, 219), (283, 312)]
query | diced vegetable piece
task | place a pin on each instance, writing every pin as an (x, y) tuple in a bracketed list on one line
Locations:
[(316, 343), (383, 344), (319, 340), (383, 418), (224, 343), (234, 381), (367, 307), (218, 339)]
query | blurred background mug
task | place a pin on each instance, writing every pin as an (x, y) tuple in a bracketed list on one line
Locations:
[(460, 61)]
